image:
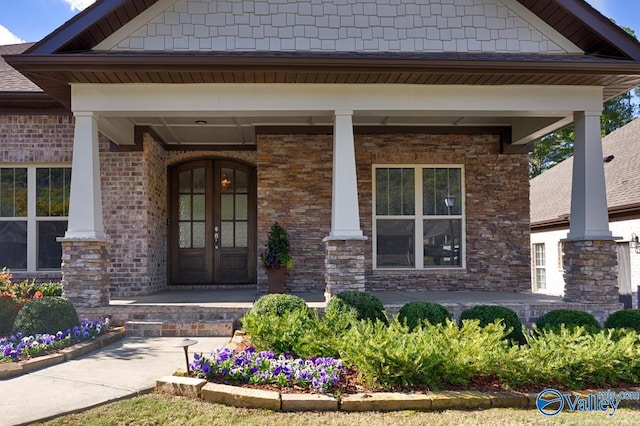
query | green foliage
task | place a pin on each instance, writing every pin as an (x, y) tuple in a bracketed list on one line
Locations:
[(430, 355), (324, 335), (416, 312), (552, 320), (47, 315), (279, 304), (278, 332), (628, 318), (573, 358), (49, 289), (277, 252), (489, 314), (8, 310), (364, 305), (277, 322)]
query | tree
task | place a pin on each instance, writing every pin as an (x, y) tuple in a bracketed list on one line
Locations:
[(558, 146)]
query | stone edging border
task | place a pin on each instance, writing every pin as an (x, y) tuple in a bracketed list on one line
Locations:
[(12, 369), (237, 396)]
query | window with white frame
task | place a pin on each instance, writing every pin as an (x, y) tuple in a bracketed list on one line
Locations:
[(540, 271), (418, 217), (34, 205)]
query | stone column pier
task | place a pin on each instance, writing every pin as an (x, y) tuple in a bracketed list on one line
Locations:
[(591, 271), (344, 265), (85, 272)]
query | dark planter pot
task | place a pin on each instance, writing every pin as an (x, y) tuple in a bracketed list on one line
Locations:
[(276, 277)]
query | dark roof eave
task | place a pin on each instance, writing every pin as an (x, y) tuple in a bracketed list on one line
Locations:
[(621, 212), (191, 62)]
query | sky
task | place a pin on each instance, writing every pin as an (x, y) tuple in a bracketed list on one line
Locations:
[(32, 20)]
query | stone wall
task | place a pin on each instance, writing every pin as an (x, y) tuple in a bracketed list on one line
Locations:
[(294, 188), (591, 271), (340, 25)]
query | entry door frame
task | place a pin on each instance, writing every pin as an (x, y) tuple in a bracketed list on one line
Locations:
[(212, 274)]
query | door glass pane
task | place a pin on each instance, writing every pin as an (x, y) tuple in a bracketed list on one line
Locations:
[(198, 207), (198, 180), (13, 244), (184, 182), (241, 207), (226, 234), (198, 235), (13, 192), (395, 243), (184, 234), (227, 181), (50, 250), (184, 207), (242, 239), (226, 207), (441, 242), (242, 182)]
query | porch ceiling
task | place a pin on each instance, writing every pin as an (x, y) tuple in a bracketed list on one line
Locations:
[(209, 130)]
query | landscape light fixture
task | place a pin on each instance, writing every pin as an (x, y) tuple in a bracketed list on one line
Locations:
[(184, 344)]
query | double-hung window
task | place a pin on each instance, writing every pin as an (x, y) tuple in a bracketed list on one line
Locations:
[(418, 217), (539, 266), (34, 205)]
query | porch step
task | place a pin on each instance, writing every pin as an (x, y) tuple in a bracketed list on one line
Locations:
[(210, 328)]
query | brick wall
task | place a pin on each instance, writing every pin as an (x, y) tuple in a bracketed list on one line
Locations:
[(294, 188), (340, 25), (36, 138)]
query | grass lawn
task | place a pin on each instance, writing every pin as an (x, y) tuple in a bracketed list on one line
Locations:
[(156, 409)]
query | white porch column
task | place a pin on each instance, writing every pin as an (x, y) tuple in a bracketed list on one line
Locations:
[(85, 204), (345, 216), (589, 213)]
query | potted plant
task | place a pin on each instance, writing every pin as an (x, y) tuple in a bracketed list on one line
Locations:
[(276, 258)]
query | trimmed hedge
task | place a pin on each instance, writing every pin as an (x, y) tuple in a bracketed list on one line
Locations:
[(46, 316), (488, 314), (366, 306), (552, 320), (279, 304), (8, 312), (415, 313), (628, 318)]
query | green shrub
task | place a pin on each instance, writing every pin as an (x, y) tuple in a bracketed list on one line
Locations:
[(628, 318), (487, 314), (432, 355), (570, 318), (49, 289), (279, 304), (47, 315), (8, 310), (574, 358), (277, 322), (324, 335), (417, 312), (365, 305)]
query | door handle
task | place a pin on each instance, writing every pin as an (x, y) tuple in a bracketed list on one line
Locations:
[(216, 237)]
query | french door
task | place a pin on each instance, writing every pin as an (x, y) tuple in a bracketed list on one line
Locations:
[(212, 223)]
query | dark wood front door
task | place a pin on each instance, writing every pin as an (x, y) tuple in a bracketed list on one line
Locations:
[(213, 223)]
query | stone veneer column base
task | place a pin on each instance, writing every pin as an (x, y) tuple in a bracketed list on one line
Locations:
[(85, 272), (343, 265), (591, 271)]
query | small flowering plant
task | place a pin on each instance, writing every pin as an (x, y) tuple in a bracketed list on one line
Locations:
[(249, 366), (17, 347)]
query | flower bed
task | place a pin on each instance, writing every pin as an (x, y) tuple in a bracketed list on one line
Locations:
[(263, 368), (18, 347)]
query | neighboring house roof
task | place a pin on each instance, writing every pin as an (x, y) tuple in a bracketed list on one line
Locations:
[(551, 190), (17, 92), (611, 57)]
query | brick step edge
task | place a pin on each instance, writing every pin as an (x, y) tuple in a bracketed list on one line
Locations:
[(214, 328), (12, 369), (237, 396)]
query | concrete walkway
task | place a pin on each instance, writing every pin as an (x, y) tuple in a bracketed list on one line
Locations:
[(127, 367)]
